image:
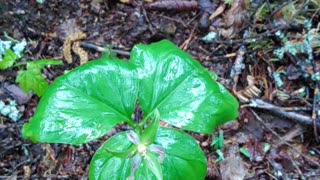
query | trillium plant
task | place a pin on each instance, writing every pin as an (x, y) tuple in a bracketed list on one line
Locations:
[(167, 85)]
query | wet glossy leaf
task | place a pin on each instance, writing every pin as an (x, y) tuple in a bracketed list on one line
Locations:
[(183, 158), (180, 88), (181, 151), (151, 161), (150, 132), (85, 103)]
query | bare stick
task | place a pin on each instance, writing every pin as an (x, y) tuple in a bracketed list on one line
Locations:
[(314, 110), (101, 49), (258, 103)]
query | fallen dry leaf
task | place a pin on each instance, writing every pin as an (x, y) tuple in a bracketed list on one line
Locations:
[(235, 19), (232, 168), (218, 11)]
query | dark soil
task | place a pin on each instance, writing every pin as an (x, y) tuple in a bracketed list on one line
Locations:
[(294, 151)]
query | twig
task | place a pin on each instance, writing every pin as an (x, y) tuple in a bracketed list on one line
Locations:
[(38, 177), (185, 44), (294, 163), (101, 49), (286, 143), (172, 19), (278, 107), (314, 112), (258, 103), (237, 67), (256, 38)]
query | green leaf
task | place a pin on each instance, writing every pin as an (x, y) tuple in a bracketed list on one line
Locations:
[(220, 143), (266, 147), (40, 1), (180, 88), (32, 79), (151, 161), (85, 103), (44, 62), (261, 12), (150, 132), (220, 156), (183, 158), (229, 2), (245, 152), (316, 2), (8, 59)]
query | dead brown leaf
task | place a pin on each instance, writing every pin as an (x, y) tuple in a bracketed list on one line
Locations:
[(232, 168), (218, 11), (250, 91), (235, 19)]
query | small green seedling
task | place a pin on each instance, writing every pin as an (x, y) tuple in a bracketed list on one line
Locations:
[(266, 147), (218, 143), (31, 79), (87, 102), (245, 152), (10, 51)]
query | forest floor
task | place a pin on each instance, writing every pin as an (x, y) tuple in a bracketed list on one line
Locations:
[(265, 52)]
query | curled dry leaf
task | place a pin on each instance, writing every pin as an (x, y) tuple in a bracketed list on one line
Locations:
[(27, 172), (235, 19), (250, 91), (232, 168), (218, 11)]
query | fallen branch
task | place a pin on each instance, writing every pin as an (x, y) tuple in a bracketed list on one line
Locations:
[(173, 5), (258, 103), (314, 112), (101, 49)]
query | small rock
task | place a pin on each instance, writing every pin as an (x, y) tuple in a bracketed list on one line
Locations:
[(204, 144), (17, 93)]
